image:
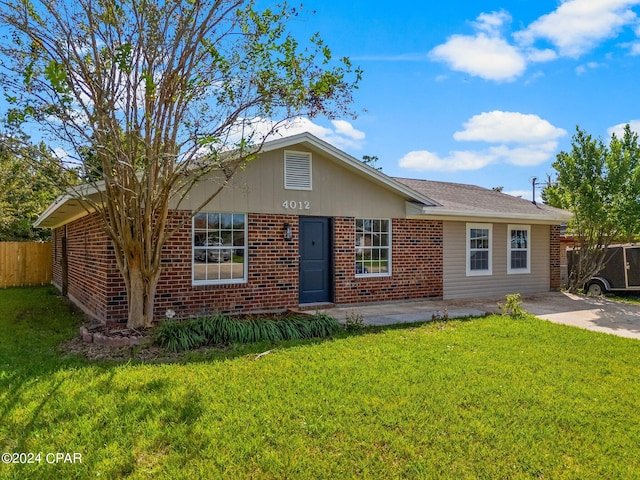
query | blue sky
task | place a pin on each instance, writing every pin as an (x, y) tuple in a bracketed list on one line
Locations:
[(485, 92)]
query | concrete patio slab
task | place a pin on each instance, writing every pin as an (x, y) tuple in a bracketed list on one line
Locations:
[(593, 313)]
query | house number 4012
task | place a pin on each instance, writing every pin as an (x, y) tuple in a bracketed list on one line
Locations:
[(293, 205)]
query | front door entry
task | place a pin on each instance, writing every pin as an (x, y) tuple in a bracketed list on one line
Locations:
[(315, 260)]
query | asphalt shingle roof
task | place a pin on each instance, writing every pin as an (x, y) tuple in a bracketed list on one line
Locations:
[(471, 199)]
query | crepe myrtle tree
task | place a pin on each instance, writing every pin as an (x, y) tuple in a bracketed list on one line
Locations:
[(147, 97), (600, 185)]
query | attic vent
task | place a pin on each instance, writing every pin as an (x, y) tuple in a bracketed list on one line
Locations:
[(297, 170)]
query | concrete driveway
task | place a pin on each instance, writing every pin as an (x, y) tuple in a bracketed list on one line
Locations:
[(593, 313)]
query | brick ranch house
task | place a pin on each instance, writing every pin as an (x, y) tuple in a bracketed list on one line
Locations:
[(307, 224)]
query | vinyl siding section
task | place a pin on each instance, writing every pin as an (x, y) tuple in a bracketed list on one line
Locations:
[(260, 188), (456, 283)]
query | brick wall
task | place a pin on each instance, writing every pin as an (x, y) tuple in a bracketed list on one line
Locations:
[(272, 283), (416, 263), (56, 256), (554, 257), (89, 259)]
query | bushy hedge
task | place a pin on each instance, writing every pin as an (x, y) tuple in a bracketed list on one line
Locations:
[(178, 335)]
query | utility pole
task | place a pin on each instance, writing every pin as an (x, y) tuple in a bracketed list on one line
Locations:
[(533, 184)]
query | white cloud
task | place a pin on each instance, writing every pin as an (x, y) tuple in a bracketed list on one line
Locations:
[(582, 69), (572, 29), (519, 139), (619, 129), (423, 160), (525, 156), (508, 127), (577, 26), (537, 56), (343, 135), (344, 128), (488, 57), (492, 23), (634, 48)]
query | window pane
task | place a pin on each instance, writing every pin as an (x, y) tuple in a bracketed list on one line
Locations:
[(238, 238), (199, 239), (226, 220), (214, 220), (226, 237), (372, 247), (200, 221), (519, 259), (479, 260), (238, 221), (220, 255), (479, 238), (519, 239)]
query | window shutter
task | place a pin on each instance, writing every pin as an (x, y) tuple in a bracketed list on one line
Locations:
[(297, 171)]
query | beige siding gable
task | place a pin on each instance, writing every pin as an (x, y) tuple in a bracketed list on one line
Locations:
[(335, 190)]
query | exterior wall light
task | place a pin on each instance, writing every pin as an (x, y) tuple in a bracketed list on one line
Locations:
[(288, 232)]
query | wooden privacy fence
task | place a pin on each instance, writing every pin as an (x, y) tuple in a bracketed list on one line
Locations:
[(25, 263)]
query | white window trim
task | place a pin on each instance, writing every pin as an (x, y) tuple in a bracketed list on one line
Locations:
[(228, 281), (389, 248), (518, 271), (479, 273), (287, 186)]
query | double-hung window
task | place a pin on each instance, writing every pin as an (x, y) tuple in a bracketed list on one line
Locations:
[(373, 247), (479, 251), (219, 248), (519, 249)]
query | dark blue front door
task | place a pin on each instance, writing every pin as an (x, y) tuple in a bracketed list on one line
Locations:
[(315, 260)]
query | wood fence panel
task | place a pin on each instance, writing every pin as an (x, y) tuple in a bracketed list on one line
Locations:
[(25, 263)]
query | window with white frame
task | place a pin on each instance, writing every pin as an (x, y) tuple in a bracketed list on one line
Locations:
[(373, 247), (479, 251), (219, 248), (518, 249)]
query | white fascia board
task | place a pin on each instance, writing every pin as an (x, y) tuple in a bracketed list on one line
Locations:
[(74, 194), (58, 202), (444, 214)]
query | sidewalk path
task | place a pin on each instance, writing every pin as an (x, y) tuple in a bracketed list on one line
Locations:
[(593, 313)]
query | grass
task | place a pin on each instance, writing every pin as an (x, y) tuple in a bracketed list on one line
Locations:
[(624, 297), (482, 398)]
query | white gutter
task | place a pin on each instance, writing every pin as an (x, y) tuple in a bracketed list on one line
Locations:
[(439, 212)]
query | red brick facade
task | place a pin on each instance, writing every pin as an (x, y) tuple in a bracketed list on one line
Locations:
[(272, 281), (416, 263)]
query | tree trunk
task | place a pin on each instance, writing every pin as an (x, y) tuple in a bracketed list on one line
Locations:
[(141, 292)]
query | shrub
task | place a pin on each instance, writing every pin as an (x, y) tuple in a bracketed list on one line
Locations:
[(178, 335), (354, 322), (512, 306)]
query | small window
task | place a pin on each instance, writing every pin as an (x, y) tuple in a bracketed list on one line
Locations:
[(297, 171), (479, 240), (519, 249), (219, 248), (373, 247)]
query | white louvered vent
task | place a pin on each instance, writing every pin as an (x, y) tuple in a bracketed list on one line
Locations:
[(297, 171)]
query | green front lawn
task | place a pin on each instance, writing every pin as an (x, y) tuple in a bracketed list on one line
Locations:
[(483, 398)]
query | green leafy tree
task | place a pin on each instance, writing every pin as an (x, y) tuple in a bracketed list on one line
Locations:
[(600, 185), (29, 182), (372, 161), (149, 96)]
